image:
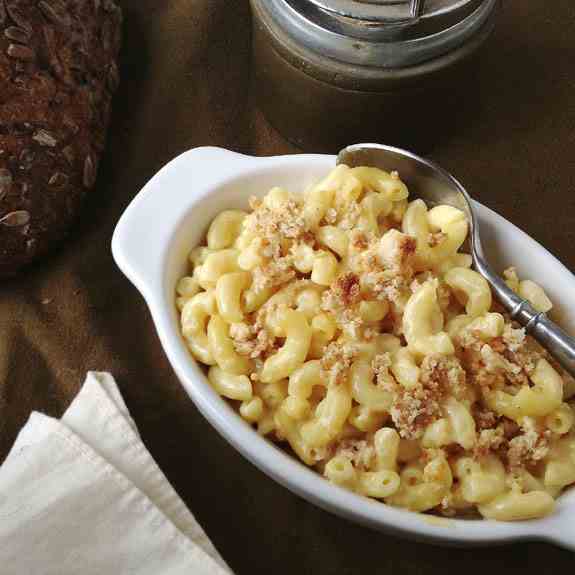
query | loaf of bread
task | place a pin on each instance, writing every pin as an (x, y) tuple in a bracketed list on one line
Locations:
[(58, 71)]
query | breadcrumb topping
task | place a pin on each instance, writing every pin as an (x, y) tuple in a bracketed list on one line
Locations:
[(529, 447), (274, 273), (344, 293), (381, 364), (445, 374), (396, 252), (415, 408), (350, 216), (286, 220), (484, 418), (359, 451), (251, 341), (489, 440), (336, 361), (514, 338)]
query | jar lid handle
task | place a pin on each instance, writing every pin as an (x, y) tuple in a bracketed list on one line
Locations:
[(389, 11)]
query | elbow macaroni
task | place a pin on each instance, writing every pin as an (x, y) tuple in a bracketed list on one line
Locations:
[(346, 323)]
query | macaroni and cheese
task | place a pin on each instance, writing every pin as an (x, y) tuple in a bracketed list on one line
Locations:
[(345, 322)]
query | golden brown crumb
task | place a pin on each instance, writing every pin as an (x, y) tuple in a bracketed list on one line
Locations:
[(343, 293), (484, 418), (341, 300), (489, 440), (492, 364), (350, 322), (395, 252), (360, 452), (395, 289), (358, 240), (285, 221), (510, 428), (350, 216), (443, 295), (380, 365), (444, 374), (527, 355), (336, 361), (251, 346), (274, 273), (494, 361), (529, 447), (513, 338), (347, 289), (308, 238), (415, 408)]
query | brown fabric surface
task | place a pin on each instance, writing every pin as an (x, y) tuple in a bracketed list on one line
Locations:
[(186, 82)]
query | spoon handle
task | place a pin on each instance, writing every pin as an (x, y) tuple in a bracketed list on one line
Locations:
[(559, 343), (553, 338)]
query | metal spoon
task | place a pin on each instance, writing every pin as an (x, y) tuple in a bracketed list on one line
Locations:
[(436, 186)]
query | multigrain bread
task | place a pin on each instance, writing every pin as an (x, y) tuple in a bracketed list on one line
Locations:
[(58, 72)]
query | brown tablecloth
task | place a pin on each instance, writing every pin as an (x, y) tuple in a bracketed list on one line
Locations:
[(187, 82)]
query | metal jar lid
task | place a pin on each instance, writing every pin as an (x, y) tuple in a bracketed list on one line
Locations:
[(380, 33)]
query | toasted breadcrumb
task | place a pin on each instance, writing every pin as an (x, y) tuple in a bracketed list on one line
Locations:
[(336, 361), (358, 240), (494, 361), (274, 273), (489, 440), (360, 452), (346, 290), (415, 408), (350, 216), (250, 341), (341, 300), (384, 379), (339, 295), (514, 338), (285, 221), (445, 374), (529, 447), (396, 250), (490, 365), (484, 418), (350, 322)]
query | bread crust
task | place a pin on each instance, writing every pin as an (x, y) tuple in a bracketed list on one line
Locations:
[(58, 71)]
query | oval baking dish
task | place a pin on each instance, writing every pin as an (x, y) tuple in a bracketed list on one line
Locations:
[(171, 215)]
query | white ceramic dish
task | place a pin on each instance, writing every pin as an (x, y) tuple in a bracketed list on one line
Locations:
[(171, 215)]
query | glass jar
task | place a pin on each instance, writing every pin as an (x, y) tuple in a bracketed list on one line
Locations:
[(334, 72)]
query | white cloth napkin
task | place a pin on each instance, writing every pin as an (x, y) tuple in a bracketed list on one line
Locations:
[(83, 495)]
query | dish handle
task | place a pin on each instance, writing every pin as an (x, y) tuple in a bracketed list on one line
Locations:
[(142, 235), (563, 535)]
